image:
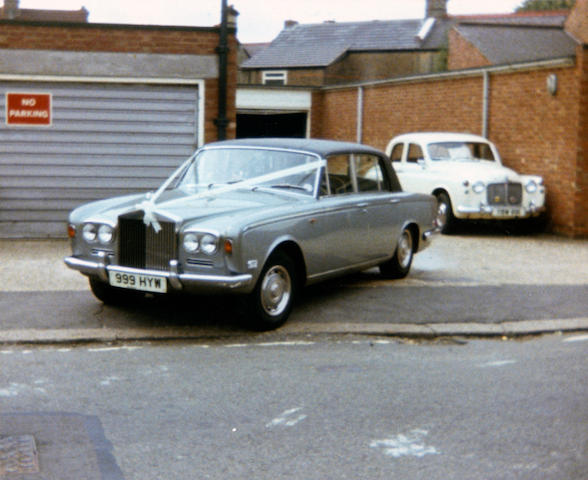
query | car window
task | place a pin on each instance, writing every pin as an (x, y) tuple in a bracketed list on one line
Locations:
[(369, 174), (336, 178), (415, 153), (351, 173), (460, 151), (396, 155)]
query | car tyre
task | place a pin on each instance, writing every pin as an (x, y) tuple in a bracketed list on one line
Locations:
[(110, 295), (270, 303), (445, 218), (399, 265)]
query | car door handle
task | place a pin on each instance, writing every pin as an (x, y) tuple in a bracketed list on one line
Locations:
[(395, 200)]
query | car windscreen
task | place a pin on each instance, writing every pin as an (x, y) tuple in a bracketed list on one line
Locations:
[(284, 169), (460, 151)]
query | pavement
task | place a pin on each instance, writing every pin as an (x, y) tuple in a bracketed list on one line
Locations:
[(470, 263)]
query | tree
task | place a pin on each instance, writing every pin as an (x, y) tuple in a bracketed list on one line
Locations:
[(535, 5)]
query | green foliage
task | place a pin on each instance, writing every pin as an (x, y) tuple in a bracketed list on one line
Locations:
[(536, 5)]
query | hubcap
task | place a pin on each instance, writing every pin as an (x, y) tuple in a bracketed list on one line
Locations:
[(405, 249), (276, 290), (441, 214)]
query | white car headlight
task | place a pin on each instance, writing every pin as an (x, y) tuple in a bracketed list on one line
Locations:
[(105, 234), (191, 243), (479, 187), (209, 244), (89, 232), (531, 186)]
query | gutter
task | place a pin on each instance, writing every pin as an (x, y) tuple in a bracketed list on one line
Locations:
[(473, 72)]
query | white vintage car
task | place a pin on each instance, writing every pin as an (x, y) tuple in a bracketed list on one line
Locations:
[(466, 175)]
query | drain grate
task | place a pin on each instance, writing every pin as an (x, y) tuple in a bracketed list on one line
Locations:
[(18, 455)]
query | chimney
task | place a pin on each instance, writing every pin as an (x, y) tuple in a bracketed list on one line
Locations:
[(290, 23), (436, 9), (10, 9)]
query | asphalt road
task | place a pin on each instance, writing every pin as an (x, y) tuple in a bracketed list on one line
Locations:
[(469, 283), (338, 408)]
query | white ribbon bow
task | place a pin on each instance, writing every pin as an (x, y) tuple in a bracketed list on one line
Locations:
[(149, 217)]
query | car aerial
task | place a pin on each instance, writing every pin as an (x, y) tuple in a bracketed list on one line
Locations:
[(255, 217), (466, 175)]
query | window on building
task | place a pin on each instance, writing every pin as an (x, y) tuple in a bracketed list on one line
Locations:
[(275, 77)]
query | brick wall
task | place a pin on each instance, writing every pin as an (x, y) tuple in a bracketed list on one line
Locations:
[(534, 131), (132, 39), (462, 54)]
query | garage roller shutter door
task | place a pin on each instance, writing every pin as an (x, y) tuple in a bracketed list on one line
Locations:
[(104, 140)]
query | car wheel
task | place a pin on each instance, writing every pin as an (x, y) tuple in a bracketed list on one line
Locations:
[(399, 265), (271, 301), (110, 295), (445, 217)]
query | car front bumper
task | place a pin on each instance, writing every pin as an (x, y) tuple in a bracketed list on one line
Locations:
[(242, 283), (499, 212)]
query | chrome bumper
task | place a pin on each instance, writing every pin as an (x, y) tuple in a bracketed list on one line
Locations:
[(487, 211), (178, 281)]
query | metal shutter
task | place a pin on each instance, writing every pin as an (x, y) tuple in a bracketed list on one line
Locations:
[(104, 140)]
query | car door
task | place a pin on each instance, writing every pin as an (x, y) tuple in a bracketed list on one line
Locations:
[(380, 209), (413, 169)]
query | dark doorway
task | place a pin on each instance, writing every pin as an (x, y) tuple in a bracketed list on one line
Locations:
[(257, 125)]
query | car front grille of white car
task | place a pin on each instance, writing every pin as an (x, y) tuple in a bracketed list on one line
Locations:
[(505, 194)]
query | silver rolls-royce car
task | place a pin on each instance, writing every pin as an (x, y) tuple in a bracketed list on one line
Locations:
[(260, 218)]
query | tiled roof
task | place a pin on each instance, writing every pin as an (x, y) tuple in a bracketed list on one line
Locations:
[(319, 45), (505, 44)]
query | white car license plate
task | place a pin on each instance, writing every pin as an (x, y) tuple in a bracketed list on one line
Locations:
[(506, 212), (134, 281)]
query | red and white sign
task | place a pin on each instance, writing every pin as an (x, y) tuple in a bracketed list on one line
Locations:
[(29, 109)]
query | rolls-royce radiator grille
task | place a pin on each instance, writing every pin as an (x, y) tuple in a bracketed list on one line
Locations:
[(505, 194), (141, 247)]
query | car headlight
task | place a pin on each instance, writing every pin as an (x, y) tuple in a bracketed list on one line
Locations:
[(89, 232), (531, 186), (105, 234), (209, 244), (479, 187), (191, 243)]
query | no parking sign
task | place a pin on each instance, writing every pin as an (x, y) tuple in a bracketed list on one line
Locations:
[(28, 109)]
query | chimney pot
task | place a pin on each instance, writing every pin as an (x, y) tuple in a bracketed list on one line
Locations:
[(436, 9)]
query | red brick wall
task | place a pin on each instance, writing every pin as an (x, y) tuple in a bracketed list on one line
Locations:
[(133, 39), (535, 132), (581, 213), (462, 54)]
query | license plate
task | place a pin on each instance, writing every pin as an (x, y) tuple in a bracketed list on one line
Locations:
[(135, 281), (506, 212)]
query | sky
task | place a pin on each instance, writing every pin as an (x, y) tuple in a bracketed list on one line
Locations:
[(261, 20)]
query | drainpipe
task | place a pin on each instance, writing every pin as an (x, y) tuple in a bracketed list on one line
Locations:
[(485, 103), (222, 51), (359, 134)]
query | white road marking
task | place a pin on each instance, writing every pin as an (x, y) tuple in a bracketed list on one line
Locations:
[(113, 349), (289, 418), (15, 389), (405, 445), (577, 338), (498, 363), (108, 380)]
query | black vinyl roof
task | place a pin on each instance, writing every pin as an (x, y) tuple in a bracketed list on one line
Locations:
[(320, 147)]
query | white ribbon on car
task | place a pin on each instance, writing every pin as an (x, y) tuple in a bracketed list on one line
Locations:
[(149, 204)]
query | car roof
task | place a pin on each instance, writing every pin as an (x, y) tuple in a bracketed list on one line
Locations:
[(431, 137), (316, 146)]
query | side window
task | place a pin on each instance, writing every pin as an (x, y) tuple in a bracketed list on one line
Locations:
[(414, 153), (369, 174), (336, 178), (396, 155)]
